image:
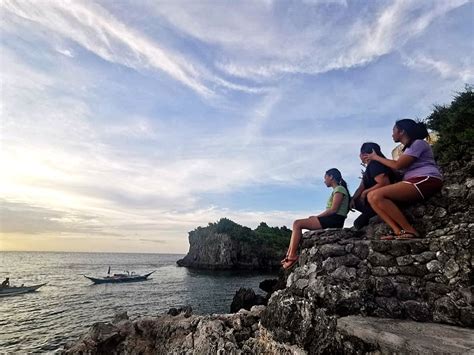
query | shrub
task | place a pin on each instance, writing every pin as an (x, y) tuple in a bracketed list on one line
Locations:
[(455, 127), (263, 236)]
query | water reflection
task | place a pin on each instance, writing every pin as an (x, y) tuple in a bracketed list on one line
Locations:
[(69, 303)]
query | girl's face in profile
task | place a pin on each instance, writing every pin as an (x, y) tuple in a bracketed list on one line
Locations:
[(363, 158), (396, 134), (328, 180)]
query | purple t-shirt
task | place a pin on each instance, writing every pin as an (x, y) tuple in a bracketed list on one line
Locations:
[(424, 165)]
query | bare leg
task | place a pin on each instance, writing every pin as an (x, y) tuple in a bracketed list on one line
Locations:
[(382, 199), (310, 223)]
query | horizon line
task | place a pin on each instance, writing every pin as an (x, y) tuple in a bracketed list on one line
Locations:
[(85, 252)]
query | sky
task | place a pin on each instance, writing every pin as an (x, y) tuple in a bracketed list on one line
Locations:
[(127, 124)]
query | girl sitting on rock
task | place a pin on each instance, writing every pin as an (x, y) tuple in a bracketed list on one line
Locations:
[(375, 176), (421, 178), (333, 217)]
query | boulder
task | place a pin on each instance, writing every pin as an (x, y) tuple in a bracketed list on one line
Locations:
[(246, 298)]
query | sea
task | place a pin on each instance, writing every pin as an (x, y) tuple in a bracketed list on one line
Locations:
[(64, 309)]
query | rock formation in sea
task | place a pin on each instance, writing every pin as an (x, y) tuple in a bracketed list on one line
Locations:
[(227, 245), (350, 293)]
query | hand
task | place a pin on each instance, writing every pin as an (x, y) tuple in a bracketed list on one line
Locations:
[(363, 195), (369, 156)]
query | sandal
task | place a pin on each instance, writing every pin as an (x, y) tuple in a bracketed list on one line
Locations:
[(285, 259), (406, 235), (400, 236), (292, 263)]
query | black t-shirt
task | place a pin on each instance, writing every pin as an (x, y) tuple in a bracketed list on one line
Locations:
[(373, 169)]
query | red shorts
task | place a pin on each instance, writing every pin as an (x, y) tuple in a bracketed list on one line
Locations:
[(427, 186)]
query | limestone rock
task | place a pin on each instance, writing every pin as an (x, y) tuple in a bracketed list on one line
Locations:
[(227, 245), (389, 336)]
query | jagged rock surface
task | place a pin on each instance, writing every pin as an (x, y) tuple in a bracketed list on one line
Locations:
[(423, 279), (347, 272), (340, 274), (238, 333)]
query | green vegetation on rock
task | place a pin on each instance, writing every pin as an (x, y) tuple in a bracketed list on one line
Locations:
[(263, 235), (455, 126)]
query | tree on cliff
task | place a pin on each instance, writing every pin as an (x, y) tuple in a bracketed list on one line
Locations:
[(455, 127), (263, 235)]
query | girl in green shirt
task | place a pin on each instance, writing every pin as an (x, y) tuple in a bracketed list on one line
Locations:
[(333, 217)]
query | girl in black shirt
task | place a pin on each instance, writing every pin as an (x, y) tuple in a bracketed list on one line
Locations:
[(375, 176)]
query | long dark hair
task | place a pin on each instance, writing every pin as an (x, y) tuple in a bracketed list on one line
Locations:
[(414, 130), (336, 175), (368, 147)]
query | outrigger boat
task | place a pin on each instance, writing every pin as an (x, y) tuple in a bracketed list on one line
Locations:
[(18, 290), (119, 278)]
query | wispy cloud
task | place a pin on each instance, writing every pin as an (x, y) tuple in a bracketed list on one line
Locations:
[(255, 44), (94, 28), (259, 115), (250, 40), (66, 52), (98, 144), (445, 69)]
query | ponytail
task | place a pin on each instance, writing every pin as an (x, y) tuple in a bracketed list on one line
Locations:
[(343, 183), (413, 129)]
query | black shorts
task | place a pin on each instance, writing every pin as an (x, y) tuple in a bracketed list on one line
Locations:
[(332, 221)]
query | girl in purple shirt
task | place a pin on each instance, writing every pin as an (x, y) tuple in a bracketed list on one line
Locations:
[(421, 178)]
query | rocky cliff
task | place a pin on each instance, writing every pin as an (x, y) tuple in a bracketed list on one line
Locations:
[(350, 293), (227, 245)]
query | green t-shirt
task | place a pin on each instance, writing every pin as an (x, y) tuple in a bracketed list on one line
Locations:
[(344, 207)]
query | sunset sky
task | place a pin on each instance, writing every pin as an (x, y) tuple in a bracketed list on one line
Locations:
[(126, 124)]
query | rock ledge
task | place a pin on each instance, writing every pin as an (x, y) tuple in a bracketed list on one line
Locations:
[(400, 336)]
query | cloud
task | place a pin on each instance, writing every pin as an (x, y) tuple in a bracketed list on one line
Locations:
[(445, 69), (94, 28), (152, 240), (48, 161), (260, 115), (65, 52), (135, 127), (22, 218), (92, 149), (325, 2), (166, 227), (250, 41), (254, 43)]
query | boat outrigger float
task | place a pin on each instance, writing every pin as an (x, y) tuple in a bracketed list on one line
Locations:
[(119, 278)]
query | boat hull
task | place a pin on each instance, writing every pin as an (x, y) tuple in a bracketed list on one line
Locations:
[(13, 291), (116, 280)]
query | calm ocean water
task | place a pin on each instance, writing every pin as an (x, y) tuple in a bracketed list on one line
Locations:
[(62, 310)]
